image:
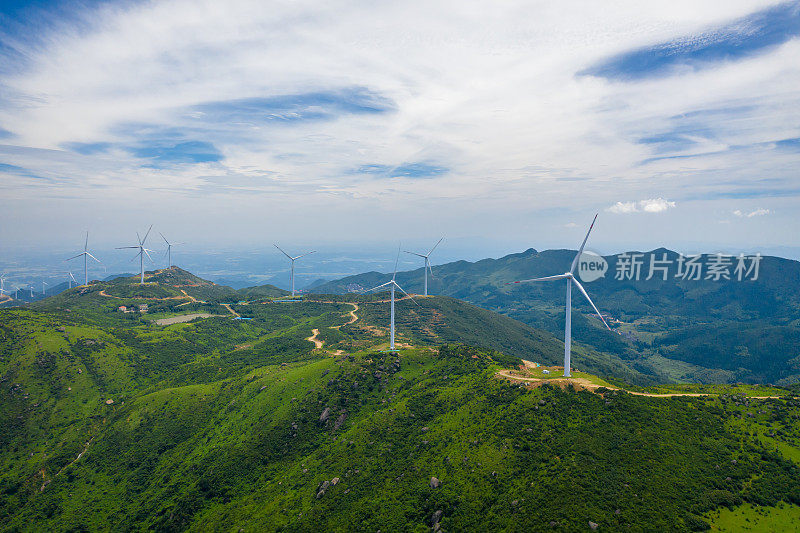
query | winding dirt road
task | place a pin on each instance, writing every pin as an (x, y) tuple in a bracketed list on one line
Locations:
[(313, 338)]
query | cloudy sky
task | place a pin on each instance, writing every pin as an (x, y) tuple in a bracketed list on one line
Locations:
[(678, 121)]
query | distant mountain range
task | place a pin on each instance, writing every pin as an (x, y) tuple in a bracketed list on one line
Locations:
[(710, 330)]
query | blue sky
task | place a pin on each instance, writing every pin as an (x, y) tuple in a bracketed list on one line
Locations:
[(243, 120)]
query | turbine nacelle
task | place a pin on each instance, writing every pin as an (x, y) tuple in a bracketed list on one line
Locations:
[(86, 255), (427, 267), (570, 277), (142, 251), (292, 260)]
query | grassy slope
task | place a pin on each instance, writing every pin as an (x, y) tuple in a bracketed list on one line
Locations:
[(250, 451), (216, 425), (747, 517)]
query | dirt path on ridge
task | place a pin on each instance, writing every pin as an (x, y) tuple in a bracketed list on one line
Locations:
[(588, 385), (228, 307), (353, 316), (313, 338), (192, 298)]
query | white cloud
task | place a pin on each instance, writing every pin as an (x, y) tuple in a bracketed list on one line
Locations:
[(760, 212), (493, 97), (623, 207), (655, 205), (652, 205)]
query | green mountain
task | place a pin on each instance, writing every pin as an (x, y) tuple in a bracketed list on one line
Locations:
[(200, 416), (721, 331)]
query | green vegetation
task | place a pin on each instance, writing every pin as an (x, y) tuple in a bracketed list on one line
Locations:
[(706, 331), (747, 517), (111, 422)]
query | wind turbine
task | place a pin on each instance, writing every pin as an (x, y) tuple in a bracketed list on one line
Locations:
[(71, 279), (85, 253), (293, 259), (570, 277), (142, 252), (169, 249), (43, 291), (426, 257), (393, 285), (3, 283)]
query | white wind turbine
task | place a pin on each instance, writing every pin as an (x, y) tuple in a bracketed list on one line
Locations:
[(3, 284), (426, 257), (169, 249), (86, 255), (43, 290), (71, 279), (293, 259), (393, 285), (570, 277), (142, 252)]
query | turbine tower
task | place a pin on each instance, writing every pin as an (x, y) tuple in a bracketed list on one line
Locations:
[(570, 277), (169, 248), (426, 257), (142, 252), (3, 283), (85, 253), (392, 286), (293, 259)]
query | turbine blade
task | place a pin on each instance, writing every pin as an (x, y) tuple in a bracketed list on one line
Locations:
[(139, 238), (93, 257), (146, 234), (404, 292), (414, 253), (305, 254), (86, 244), (126, 247), (148, 255), (396, 261), (435, 245), (546, 278), (75, 257), (378, 287), (281, 249), (580, 251), (583, 291), (165, 239)]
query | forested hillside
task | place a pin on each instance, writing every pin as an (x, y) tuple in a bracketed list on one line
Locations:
[(281, 415), (672, 330)]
